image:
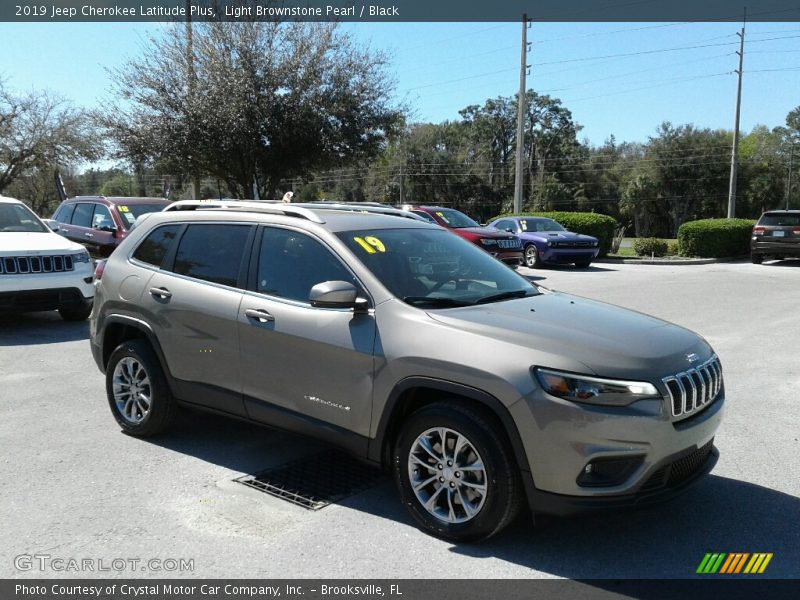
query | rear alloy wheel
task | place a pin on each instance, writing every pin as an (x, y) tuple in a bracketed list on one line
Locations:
[(531, 257), (756, 258), (456, 473), (137, 390)]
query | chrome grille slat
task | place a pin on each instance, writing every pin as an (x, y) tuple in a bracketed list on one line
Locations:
[(694, 389), (25, 265)]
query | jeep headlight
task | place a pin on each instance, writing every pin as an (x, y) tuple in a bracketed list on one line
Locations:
[(594, 390), (488, 242), (82, 257)]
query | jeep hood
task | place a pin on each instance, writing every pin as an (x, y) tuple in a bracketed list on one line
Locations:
[(34, 243), (555, 329)]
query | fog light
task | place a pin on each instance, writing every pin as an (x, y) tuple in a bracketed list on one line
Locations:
[(607, 472)]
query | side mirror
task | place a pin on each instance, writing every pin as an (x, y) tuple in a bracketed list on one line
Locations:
[(52, 224), (510, 229), (335, 294), (106, 228)]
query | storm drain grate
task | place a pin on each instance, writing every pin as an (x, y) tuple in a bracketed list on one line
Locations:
[(316, 481)]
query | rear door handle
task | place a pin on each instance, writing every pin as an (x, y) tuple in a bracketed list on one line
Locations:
[(259, 315), (162, 293)]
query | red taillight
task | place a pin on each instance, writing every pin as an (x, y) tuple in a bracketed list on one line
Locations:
[(98, 269), (796, 231), (759, 230)]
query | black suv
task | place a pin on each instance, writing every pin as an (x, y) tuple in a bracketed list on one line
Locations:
[(777, 234)]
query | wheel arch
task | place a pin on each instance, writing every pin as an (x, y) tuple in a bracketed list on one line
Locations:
[(413, 393), (121, 328)]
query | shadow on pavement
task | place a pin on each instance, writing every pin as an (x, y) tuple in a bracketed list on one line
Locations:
[(40, 328), (666, 541)]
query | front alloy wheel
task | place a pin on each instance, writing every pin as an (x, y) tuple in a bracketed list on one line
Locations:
[(456, 472), (447, 475), (531, 257)]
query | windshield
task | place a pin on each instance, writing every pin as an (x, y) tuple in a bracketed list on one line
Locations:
[(19, 218), (431, 268), (130, 212), (540, 225), (456, 220)]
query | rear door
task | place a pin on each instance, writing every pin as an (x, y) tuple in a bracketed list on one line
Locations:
[(193, 304), (80, 227)]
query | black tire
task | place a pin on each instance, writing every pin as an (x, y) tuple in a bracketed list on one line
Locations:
[(76, 313), (583, 264), (162, 405), (531, 258), (503, 487), (756, 259)]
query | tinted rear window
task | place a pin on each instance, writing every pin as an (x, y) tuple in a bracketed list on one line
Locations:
[(772, 219), (64, 213), (212, 252), (83, 215), (156, 245)]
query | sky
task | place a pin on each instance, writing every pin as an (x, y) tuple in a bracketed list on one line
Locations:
[(620, 79)]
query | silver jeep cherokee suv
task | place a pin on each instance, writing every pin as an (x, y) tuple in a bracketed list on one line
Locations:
[(409, 347)]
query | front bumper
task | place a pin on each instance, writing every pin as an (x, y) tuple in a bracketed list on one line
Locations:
[(671, 479), (561, 438), (40, 300), (512, 258), (568, 255)]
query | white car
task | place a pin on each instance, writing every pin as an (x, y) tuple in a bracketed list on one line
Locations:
[(39, 269)]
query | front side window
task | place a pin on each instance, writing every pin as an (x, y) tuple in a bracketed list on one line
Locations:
[(212, 252), (102, 218), (291, 263), (435, 269), (19, 218), (506, 225), (156, 245)]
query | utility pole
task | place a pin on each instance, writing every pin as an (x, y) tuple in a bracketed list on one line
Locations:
[(195, 185), (523, 68), (402, 190), (735, 150), (789, 183)]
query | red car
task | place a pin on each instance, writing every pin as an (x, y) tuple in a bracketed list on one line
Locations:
[(101, 223), (500, 244)]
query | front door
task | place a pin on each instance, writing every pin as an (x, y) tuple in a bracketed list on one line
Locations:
[(303, 365)]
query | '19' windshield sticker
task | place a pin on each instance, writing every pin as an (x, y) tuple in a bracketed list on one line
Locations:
[(371, 244)]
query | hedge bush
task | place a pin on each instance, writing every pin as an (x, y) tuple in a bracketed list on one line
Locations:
[(600, 226), (650, 247), (715, 238)]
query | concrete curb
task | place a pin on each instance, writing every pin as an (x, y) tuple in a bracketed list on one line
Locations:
[(668, 261)]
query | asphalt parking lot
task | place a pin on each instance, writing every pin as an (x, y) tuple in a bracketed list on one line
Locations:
[(75, 487)]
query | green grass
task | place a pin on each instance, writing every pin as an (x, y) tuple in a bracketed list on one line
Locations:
[(626, 250)]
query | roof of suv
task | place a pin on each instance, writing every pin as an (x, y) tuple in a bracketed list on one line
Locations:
[(119, 199), (334, 218)]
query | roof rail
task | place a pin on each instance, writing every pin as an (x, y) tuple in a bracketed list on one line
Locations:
[(362, 207), (265, 206)]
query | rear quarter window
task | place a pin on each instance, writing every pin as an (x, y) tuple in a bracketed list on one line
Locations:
[(156, 245), (64, 213)]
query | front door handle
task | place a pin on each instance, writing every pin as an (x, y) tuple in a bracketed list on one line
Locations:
[(259, 315), (162, 293)]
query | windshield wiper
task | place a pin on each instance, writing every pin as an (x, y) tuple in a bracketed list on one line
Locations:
[(434, 301), (507, 296)]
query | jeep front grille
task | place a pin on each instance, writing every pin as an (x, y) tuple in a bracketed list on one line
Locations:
[(695, 388), (22, 265)]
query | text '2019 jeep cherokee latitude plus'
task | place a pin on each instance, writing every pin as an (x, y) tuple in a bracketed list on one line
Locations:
[(412, 348)]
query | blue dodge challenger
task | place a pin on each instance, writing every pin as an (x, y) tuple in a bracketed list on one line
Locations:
[(545, 241)]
